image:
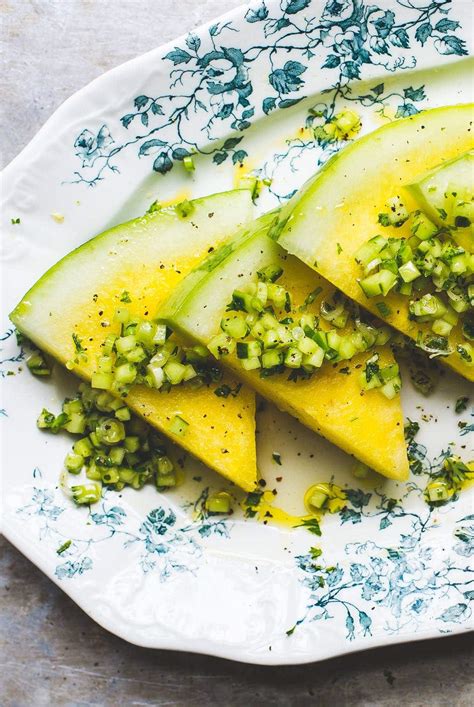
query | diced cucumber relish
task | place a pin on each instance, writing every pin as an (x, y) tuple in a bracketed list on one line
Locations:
[(430, 259), (115, 448), (144, 352), (270, 335)]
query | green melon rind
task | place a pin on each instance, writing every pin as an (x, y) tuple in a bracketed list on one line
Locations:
[(312, 192), (195, 307), (64, 278)]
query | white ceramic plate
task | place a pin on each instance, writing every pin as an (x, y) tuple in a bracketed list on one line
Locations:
[(141, 564)]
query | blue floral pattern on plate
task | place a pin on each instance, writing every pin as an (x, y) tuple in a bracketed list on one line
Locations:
[(218, 76)]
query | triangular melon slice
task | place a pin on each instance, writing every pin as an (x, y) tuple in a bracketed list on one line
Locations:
[(337, 210), (364, 424), (146, 258)]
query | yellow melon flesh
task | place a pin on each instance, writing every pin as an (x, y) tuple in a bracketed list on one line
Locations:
[(364, 424), (146, 258), (336, 211)]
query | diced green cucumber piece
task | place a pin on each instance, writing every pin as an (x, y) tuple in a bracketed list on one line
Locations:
[(220, 502), (248, 349), (422, 227), (379, 283), (408, 271), (427, 308), (234, 325), (270, 359)]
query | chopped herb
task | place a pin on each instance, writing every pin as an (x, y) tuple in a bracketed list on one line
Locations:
[(384, 220), (125, 297), (372, 368), (461, 404), (339, 248), (310, 524), (464, 353), (20, 338), (223, 391), (254, 498), (411, 429), (434, 345), (422, 381), (77, 343), (383, 308), (155, 206), (312, 295), (291, 631), (15, 221), (276, 458), (62, 548), (315, 552), (442, 214)]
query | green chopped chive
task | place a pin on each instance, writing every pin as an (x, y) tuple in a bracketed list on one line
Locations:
[(252, 184), (220, 502), (411, 429), (384, 309), (65, 546), (225, 390), (312, 295), (154, 206), (125, 297), (276, 456), (178, 426), (270, 273), (77, 343), (15, 221)]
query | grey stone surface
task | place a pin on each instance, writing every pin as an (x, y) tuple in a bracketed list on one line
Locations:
[(50, 652)]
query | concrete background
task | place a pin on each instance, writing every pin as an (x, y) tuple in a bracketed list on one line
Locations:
[(50, 652)]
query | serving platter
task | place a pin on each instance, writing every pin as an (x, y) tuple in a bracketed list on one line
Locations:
[(244, 94)]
